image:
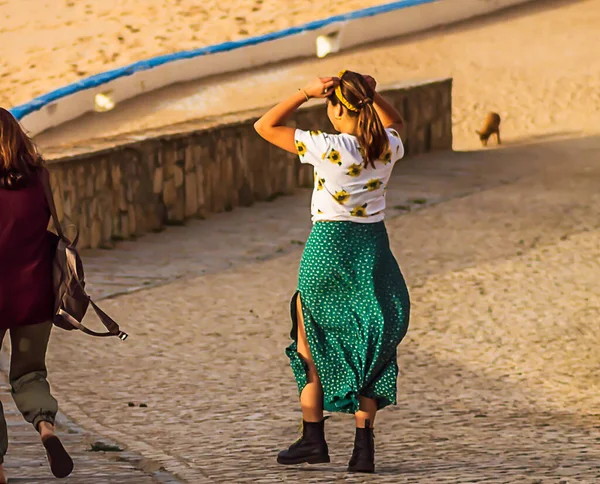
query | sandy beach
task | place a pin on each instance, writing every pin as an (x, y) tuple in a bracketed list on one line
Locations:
[(551, 87), (47, 44)]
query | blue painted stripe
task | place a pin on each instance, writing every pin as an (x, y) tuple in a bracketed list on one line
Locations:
[(90, 82)]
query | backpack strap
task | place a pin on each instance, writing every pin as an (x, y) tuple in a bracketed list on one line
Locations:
[(66, 316), (107, 321), (45, 176)]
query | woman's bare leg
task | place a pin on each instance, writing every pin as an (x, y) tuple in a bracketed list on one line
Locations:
[(46, 430), (311, 398), (311, 447), (367, 411)]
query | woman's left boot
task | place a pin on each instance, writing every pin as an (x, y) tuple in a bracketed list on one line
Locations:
[(363, 456), (310, 448)]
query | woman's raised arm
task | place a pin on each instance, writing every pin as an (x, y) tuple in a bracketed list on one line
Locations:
[(271, 126)]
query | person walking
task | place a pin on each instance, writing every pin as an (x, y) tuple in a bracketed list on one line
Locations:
[(351, 308), (26, 291)]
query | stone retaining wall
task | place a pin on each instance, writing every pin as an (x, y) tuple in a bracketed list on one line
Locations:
[(138, 187)]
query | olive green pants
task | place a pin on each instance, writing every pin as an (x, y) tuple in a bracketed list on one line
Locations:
[(29, 387)]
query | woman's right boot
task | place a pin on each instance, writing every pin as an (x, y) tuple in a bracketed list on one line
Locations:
[(363, 456), (310, 448)]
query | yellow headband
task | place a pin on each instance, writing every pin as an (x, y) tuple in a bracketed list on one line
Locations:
[(340, 96)]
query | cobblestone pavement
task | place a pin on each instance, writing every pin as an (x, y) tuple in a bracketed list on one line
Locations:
[(498, 373), (26, 460), (232, 239)]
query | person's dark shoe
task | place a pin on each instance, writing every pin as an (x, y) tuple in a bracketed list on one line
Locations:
[(59, 460), (310, 448), (363, 456)]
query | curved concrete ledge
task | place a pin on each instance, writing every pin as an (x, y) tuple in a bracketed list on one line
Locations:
[(140, 186), (103, 91)]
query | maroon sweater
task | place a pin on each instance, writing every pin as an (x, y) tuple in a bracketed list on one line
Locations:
[(26, 294)]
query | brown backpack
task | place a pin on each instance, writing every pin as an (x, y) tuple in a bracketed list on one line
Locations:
[(70, 299)]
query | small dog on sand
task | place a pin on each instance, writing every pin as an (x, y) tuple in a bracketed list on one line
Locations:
[(491, 126)]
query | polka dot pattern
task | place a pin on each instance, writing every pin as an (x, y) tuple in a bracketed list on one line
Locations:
[(356, 311)]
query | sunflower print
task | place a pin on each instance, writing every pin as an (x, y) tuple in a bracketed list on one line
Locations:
[(320, 183), (354, 170), (359, 211), (341, 197), (315, 133), (372, 184), (387, 157), (300, 148), (319, 211), (333, 156), (394, 133)]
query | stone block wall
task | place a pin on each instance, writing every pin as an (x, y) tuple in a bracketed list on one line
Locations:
[(139, 187)]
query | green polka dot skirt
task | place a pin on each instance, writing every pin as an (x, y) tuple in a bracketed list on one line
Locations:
[(356, 310)]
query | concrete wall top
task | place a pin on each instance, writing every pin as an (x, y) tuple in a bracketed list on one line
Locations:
[(141, 186)]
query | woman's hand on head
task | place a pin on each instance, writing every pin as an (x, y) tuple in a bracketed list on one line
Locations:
[(321, 87)]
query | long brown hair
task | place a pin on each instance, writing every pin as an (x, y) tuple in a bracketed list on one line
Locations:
[(19, 158), (371, 134)]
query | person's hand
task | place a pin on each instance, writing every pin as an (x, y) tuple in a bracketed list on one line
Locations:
[(320, 87), (370, 81)]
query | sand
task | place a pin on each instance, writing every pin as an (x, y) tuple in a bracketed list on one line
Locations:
[(47, 44), (534, 64)]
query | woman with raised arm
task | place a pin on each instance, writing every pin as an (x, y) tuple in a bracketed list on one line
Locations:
[(26, 292), (351, 308)]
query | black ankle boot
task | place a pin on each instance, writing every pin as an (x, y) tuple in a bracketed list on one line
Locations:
[(363, 456), (310, 448)]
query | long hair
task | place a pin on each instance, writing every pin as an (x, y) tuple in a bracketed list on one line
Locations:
[(19, 158), (371, 134)]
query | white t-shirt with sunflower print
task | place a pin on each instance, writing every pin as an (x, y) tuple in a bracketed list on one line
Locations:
[(344, 188)]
